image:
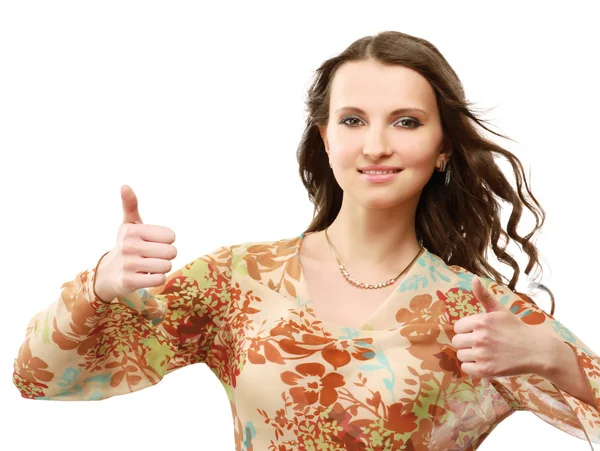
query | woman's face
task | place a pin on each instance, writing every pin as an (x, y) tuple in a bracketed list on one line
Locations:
[(365, 129)]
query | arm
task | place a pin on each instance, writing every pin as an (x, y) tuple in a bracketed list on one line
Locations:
[(547, 393), (81, 348), (565, 371)]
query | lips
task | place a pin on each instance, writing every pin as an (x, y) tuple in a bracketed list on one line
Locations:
[(379, 168), (379, 171)]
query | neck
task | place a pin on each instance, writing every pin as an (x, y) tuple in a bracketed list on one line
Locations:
[(374, 238)]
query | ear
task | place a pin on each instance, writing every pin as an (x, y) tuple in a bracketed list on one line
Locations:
[(323, 133), (446, 147)]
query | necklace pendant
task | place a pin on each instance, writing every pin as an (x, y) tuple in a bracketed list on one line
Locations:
[(355, 282)]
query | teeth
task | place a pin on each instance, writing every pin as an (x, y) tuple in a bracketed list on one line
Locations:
[(381, 172)]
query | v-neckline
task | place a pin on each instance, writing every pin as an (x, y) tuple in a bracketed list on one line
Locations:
[(304, 296)]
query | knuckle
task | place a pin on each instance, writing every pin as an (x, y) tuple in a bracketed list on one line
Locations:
[(129, 265), (481, 325), (478, 340), (127, 283), (129, 230), (490, 318), (123, 229), (129, 248)]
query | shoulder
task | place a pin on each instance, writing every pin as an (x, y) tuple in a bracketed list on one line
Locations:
[(450, 282), (252, 258), (272, 248), (252, 250), (454, 285), (458, 289), (455, 274)]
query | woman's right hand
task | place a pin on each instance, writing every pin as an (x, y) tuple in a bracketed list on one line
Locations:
[(141, 257)]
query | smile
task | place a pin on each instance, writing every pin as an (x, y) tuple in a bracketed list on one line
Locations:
[(393, 171), (380, 176)]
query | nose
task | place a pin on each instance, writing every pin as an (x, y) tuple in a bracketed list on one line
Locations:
[(376, 145)]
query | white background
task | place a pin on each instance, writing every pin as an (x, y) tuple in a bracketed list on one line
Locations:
[(199, 108)]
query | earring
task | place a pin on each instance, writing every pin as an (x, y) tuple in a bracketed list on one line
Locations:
[(442, 168), (330, 164)]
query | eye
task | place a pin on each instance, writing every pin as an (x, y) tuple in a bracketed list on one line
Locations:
[(411, 120), (415, 122), (344, 121)]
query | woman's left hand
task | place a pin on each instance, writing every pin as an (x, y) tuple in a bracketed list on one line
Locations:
[(497, 343)]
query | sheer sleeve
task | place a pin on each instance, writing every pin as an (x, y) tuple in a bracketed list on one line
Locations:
[(537, 394), (81, 348)]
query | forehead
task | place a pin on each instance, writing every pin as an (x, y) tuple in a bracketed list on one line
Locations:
[(373, 85)]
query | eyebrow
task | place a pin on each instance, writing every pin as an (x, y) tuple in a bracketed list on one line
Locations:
[(393, 113)]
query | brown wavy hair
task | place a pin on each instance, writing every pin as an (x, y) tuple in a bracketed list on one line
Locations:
[(455, 222)]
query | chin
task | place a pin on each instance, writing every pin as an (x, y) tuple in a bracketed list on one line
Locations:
[(380, 203)]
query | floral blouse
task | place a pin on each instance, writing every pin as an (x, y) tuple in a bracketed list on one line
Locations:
[(295, 382)]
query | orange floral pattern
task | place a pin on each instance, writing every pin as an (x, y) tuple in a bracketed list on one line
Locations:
[(395, 383)]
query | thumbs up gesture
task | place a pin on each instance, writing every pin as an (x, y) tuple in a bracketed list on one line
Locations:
[(498, 343), (141, 257)]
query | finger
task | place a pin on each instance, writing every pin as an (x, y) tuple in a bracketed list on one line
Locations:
[(472, 369), (486, 298), (152, 266), (466, 355), (479, 290), (154, 250), (131, 215), (156, 234), (466, 324), (460, 341), (140, 280)]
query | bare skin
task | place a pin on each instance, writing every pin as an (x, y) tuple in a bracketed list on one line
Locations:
[(333, 299), (374, 234)]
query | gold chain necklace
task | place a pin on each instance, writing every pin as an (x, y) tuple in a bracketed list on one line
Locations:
[(353, 281)]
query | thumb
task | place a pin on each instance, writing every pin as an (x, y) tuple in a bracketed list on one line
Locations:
[(489, 302), (130, 206)]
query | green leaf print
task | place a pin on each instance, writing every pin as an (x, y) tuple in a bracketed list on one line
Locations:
[(157, 355)]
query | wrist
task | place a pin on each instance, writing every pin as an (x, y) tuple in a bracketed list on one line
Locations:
[(100, 290), (558, 353), (104, 295)]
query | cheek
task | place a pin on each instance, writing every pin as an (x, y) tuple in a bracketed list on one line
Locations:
[(418, 155), (344, 156), (343, 146)]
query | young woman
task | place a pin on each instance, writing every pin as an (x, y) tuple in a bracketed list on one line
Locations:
[(381, 327)]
